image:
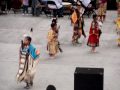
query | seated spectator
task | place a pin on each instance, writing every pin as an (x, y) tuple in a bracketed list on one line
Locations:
[(35, 7), (3, 5), (59, 9)]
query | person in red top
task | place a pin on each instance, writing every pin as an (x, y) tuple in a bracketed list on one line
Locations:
[(16, 5), (93, 40)]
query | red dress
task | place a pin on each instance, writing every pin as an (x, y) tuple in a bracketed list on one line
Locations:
[(93, 40)]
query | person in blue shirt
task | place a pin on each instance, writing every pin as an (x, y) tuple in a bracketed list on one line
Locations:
[(28, 62)]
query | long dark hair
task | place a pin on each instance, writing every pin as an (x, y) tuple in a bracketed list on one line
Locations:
[(29, 39), (51, 87), (22, 45)]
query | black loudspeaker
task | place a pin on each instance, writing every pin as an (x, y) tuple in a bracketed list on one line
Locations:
[(88, 78)]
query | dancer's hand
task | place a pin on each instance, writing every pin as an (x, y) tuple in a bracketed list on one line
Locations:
[(38, 52)]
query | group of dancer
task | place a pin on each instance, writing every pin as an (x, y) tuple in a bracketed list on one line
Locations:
[(77, 19), (95, 29), (29, 55)]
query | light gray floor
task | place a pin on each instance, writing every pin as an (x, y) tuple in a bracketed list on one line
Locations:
[(58, 71)]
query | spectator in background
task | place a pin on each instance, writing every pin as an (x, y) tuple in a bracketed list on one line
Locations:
[(44, 2), (118, 7), (16, 4), (71, 1), (59, 9), (3, 5), (25, 6), (8, 5), (35, 7), (51, 87)]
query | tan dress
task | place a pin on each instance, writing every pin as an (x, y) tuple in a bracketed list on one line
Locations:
[(105, 7), (101, 10), (52, 42)]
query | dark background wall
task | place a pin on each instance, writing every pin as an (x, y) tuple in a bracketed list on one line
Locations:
[(112, 5)]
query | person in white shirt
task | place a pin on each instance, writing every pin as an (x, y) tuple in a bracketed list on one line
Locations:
[(84, 2), (59, 9)]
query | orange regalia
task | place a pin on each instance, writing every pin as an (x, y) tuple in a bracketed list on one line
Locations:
[(118, 29), (77, 30)]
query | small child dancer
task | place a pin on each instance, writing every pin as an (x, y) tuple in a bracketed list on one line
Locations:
[(93, 40)]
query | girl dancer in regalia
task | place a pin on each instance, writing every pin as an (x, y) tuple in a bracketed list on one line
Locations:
[(93, 40), (28, 62), (52, 45), (77, 27), (54, 21)]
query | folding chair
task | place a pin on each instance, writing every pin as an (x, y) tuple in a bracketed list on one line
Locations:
[(51, 8)]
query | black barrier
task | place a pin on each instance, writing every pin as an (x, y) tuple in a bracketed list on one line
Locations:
[(88, 78)]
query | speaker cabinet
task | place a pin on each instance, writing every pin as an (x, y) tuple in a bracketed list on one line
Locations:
[(88, 78)]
